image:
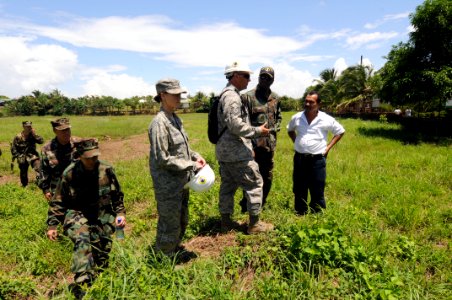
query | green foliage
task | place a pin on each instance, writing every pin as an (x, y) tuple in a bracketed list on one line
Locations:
[(383, 118), (419, 73)]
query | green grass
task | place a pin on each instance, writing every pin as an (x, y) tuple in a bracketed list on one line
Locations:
[(386, 233)]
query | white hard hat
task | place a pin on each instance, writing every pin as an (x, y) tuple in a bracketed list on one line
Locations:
[(237, 66), (203, 180)]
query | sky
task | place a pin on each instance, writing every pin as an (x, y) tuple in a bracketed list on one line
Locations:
[(122, 48)]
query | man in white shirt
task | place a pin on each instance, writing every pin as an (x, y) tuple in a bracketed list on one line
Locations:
[(309, 132)]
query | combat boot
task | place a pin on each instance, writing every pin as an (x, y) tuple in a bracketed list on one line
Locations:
[(227, 224), (255, 226)]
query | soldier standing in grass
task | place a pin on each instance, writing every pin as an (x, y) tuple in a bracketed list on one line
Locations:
[(309, 132), (88, 202), (56, 156), (264, 107), (172, 163), (234, 152), (24, 150)]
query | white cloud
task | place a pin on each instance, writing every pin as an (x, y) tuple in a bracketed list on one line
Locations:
[(117, 85), (361, 39), (25, 67), (205, 45), (289, 81), (385, 19), (340, 65)]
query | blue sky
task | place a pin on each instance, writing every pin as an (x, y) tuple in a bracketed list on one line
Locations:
[(122, 48)]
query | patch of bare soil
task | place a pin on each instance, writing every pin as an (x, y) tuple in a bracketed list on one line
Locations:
[(211, 246), (130, 148), (8, 178)]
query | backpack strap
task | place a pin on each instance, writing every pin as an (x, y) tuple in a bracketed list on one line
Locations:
[(225, 127)]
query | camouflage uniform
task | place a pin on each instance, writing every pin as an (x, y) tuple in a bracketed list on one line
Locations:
[(54, 159), (24, 149), (171, 163), (86, 203), (264, 111), (235, 154)]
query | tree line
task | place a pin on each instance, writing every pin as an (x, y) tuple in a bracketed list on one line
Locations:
[(417, 74)]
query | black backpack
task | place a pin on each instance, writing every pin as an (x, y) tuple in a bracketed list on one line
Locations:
[(212, 122)]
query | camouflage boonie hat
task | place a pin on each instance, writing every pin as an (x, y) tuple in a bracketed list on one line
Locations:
[(87, 148), (26, 123), (168, 85), (61, 124), (268, 71)]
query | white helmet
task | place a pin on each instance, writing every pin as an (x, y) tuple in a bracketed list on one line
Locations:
[(203, 180), (237, 66)]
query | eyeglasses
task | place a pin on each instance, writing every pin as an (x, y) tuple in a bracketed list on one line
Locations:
[(244, 75)]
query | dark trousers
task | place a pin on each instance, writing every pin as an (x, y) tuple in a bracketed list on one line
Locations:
[(309, 174), (264, 159), (23, 167)]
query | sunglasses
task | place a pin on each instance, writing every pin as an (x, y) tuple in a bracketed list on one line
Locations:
[(244, 75), (265, 77)]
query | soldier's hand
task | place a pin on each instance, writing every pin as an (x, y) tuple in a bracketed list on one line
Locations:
[(52, 234), (48, 196), (120, 221), (264, 130), (200, 163)]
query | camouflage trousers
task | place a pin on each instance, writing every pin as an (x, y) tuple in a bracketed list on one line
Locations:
[(243, 174), (92, 245), (23, 167), (172, 209)]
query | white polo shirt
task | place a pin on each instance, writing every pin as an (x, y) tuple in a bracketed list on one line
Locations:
[(312, 138)]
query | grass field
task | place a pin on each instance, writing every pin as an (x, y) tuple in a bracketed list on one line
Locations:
[(386, 233)]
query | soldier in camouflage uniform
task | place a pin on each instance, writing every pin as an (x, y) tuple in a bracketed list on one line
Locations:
[(264, 107), (234, 152), (88, 203), (172, 163), (23, 149), (56, 156)]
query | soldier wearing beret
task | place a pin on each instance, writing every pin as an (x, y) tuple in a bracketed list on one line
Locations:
[(23, 148), (172, 163), (56, 156), (88, 202), (264, 107)]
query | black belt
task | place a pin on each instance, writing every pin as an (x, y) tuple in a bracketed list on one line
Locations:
[(309, 155)]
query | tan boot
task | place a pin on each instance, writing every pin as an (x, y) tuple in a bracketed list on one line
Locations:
[(255, 226), (227, 224)]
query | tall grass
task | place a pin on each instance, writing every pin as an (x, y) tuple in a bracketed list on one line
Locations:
[(386, 232)]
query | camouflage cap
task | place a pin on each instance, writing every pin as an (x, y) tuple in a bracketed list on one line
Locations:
[(268, 71), (61, 124), (87, 148), (168, 85), (26, 123)]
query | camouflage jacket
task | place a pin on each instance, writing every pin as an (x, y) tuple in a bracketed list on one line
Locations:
[(171, 161), (25, 148), (95, 193), (235, 143), (264, 111), (54, 159)]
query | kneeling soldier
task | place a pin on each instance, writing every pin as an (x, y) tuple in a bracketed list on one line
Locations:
[(88, 202)]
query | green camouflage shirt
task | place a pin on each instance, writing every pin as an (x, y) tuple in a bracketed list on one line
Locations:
[(262, 111), (54, 159), (25, 148), (95, 193)]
